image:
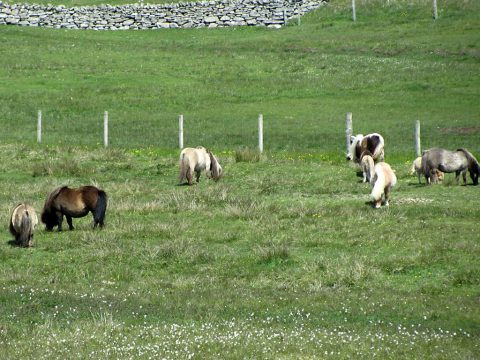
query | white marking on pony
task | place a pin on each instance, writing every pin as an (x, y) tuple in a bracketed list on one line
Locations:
[(197, 160), (384, 180)]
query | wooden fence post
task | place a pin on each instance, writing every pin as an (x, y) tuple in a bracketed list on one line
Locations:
[(260, 133), (354, 15), (180, 131), (435, 14), (39, 126), (348, 129), (105, 128), (418, 148)]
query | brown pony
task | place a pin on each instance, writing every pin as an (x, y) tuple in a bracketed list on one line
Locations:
[(74, 203), (22, 224)]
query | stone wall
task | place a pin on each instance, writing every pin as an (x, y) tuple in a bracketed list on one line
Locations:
[(270, 13)]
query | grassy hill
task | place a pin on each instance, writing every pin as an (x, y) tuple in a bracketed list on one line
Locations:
[(282, 258)]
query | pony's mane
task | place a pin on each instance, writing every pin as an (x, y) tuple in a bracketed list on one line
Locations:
[(53, 195)]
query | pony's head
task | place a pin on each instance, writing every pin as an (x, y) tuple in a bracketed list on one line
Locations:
[(474, 172), (49, 219), (215, 168), (354, 140), (473, 165)]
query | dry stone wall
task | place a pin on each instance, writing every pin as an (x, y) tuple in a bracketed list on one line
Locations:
[(270, 13)]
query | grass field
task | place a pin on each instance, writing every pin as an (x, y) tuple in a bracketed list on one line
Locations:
[(282, 258)]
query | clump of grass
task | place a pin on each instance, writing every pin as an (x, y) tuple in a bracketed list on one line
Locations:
[(62, 167), (273, 251), (247, 155)]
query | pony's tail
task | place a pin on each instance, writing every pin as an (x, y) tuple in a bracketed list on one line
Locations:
[(100, 209), (215, 167), (25, 230), (184, 168), (379, 185)]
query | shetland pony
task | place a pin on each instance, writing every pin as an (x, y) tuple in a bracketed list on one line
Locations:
[(74, 203), (23, 222), (367, 165), (417, 168), (458, 161), (196, 160), (371, 142), (383, 182)]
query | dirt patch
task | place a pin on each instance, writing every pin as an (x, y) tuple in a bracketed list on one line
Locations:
[(460, 130)]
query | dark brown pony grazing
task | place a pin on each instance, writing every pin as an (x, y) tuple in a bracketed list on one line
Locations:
[(74, 203)]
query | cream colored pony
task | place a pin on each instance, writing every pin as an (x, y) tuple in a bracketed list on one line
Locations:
[(196, 160), (367, 164), (383, 182), (23, 222), (417, 168)]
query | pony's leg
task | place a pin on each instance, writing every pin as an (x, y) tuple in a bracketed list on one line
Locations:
[(197, 175), (189, 176), (69, 222), (464, 174), (387, 195), (59, 220)]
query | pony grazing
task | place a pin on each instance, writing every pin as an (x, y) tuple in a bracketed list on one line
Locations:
[(383, 182), (367, 165), (372, 142), (196, 160), (417, 168), (22, 224), (458, 161), (74, 203)]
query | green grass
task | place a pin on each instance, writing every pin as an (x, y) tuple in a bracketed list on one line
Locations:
[(282, 258)]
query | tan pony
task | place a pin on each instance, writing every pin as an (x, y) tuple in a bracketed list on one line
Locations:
[(383, 182), (368, 166), (22, 224), (197, 160)]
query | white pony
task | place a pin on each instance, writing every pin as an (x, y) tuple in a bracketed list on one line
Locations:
[(23, 222), (196, 160), (367, 165), (417, 168), (372, 142), (383, 182)]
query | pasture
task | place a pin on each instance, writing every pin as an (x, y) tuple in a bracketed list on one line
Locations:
[(282, 258)]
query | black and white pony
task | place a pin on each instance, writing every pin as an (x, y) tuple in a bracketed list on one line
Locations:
[(196, 160), (372, 142), (458, 161)]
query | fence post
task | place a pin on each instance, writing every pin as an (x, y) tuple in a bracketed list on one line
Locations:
[(418, 148), (180, 131), (354, 15), (348, 129), (260, 133), (105, 128), (285, 17), (435, 14), (39, 126)]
